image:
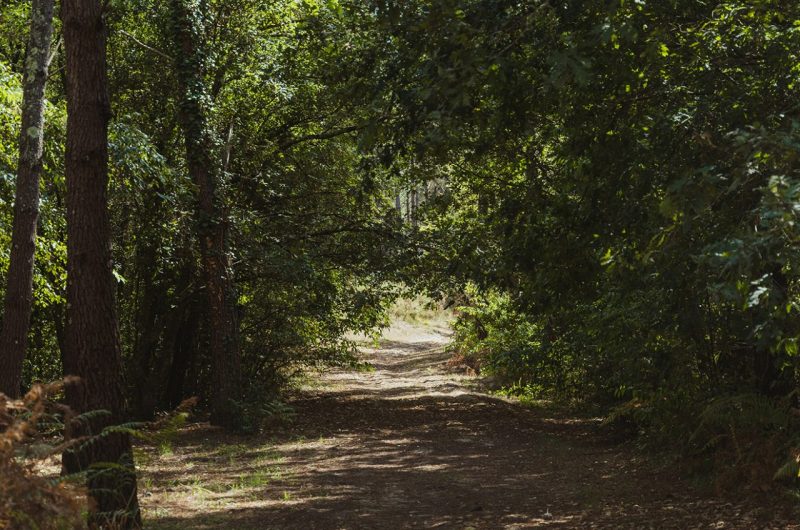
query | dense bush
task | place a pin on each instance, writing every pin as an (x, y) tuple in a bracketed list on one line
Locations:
[(622, 188)]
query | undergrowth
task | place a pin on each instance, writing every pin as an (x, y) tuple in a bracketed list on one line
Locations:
[(419, 310), (739, 440), (31, 445), (28, 440)]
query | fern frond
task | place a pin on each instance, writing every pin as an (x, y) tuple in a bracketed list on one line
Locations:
[(789, 471)]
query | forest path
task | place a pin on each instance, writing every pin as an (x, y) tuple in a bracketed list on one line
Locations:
[(411, 445)]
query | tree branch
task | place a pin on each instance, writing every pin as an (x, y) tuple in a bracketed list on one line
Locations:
[(145, 46), (332, 133)]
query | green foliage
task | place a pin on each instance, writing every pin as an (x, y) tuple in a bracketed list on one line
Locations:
[(312, 237), (43, 361), (254, 413), (621, 196), (499, 339), (419, 310), (726, 418), (611, 190)]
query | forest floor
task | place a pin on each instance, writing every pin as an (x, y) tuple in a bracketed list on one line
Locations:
[(412, 444)]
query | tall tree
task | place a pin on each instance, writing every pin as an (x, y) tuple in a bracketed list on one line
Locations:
[(92, 334), (212, 222), (19, 283)]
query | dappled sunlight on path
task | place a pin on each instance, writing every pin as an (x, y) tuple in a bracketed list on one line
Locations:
[(411, 445)]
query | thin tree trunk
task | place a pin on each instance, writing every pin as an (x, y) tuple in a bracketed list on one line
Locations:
[(184, 354), (92, 332), (149, 316), (211, 217), (19, 286)]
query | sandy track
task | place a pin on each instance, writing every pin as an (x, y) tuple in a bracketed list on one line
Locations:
[(411, 445)]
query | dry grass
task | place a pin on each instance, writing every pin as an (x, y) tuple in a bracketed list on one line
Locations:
[(421, 313), (208, 473)]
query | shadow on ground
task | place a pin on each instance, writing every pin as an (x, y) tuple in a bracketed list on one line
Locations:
[(410, 446)]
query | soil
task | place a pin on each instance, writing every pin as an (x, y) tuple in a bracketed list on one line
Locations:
[(412, 444)]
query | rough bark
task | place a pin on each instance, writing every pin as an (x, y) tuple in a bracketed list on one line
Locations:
[(211, 217), (92, 335), (19, 285)]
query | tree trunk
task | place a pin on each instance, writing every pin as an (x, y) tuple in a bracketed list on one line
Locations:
[(19, 287), (211, 218), (92, 333), (184, 353), (149, 314)]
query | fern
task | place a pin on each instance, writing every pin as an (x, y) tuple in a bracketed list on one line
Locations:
[(726, 416), (789, 471), (28, 500), (252, 414)]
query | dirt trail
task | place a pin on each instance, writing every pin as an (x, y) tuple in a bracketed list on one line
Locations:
[(410, 445)]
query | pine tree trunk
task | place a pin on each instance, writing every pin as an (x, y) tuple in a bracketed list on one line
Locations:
[(211, 216), (92, 334), (19, 286)]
